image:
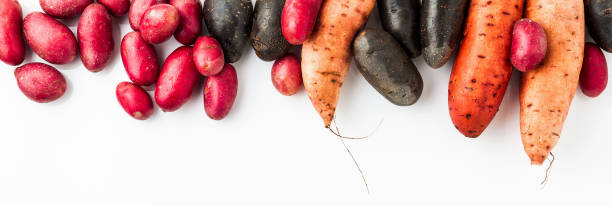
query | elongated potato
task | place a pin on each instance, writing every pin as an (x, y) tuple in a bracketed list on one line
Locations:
[(64, 8), (220, 92), (599, 21), (139, 59), (298, 19), (594, 73), (547, 91), (191, 20), (401, 19), (266, 36), (40, 82), (441, 24), (229, 21), (177, 80), (95, 31), (49, 38), (12, 45), (159, 22)]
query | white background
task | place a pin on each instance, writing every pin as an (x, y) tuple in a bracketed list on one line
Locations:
[(273, 150)]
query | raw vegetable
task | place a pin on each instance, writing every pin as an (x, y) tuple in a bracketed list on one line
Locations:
[(191, 20), (64, 8), (326, 55), (266, 36), (95, 31), (529, 45), (12, 46), (599, 20), (177, 80), (383, 62), (159, 23), (139, 59), (546, 92), (40, 82), (287, 75), (481, 73), (138, 8), (594, 73), (49, 38), (298, 19), (208, 56), (220, 93), (116, 7), (134, 100), (229, 21), (401, 19), (441, 26)]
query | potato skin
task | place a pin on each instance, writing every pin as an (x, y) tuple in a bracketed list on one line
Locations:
[(12, 45), (116, 7), (159, 22), (40, 82), (49, 38), (599, 21), (134, 100), (220, 93), (229, 21), (441, 26), (298, 19), (208, 56), (95, 32), (385, 65), (191, 20), (177, 80), (64, 8), (529, 45), (594, 73), (287, 75), (266, 36), (139, 59), (401, 19), (137, 9)]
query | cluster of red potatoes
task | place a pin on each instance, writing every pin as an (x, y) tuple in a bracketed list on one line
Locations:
[(153, 22)]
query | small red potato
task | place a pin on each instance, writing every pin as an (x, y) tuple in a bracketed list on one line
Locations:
[(159, 23), (64, 8), (95, 32), (220, 93), (139, 59), (138, 8), (49, 38), (208, 56), (134, 100), (594, 73), (116, 7), (287, 75), (191, 20), (298, 19), (12, 46), (529, 45), (177, 80), (40, 82)]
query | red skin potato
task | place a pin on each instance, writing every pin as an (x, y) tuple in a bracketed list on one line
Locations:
[(64, 8), (177, 80), (134, 100), (594, 73), (287, 75), (139, 59), (159, 22), (116, 7), (40, 82), (49, 38), (208, 56), (95, 32), (12, 46), (529, 45), (191, 20), (298, 19), (220, 93), (138, 8)]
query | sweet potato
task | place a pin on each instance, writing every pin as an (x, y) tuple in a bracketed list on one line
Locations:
[(139, 59), (137, 9), (134, 100), (177, 80), (208, 56), (220, 93), (64, 8), (546, 92), (287, 75), (40, 82), (441, 24), (229, 21), (326, 55), (49, 38), (594, 73), (529, 45), (481, 72), (95, 31), (191, 20), (116, 7), (159, 22), (12, 45), (298, 19)]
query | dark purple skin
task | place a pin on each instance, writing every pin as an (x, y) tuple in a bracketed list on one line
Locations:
[(594, 73), (529, 45)]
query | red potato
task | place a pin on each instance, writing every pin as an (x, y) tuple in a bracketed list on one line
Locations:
[(49, 38), (298, 19), (177, 80), (40, 82), (594, 73), (134, 100), (191, 20), (220, 93), (159, 22), (139, 59), (208, 56), (95, 32), (116, 7), (287, 75), (64, 8), (529, 45), (138, 8), (12, 46)]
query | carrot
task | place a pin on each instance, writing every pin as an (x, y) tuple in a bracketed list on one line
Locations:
[(547, 91), (326, 54), (482, 70)]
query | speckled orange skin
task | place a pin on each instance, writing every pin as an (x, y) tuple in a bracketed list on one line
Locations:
[(547, 91), (482, 70), (326, 55)]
